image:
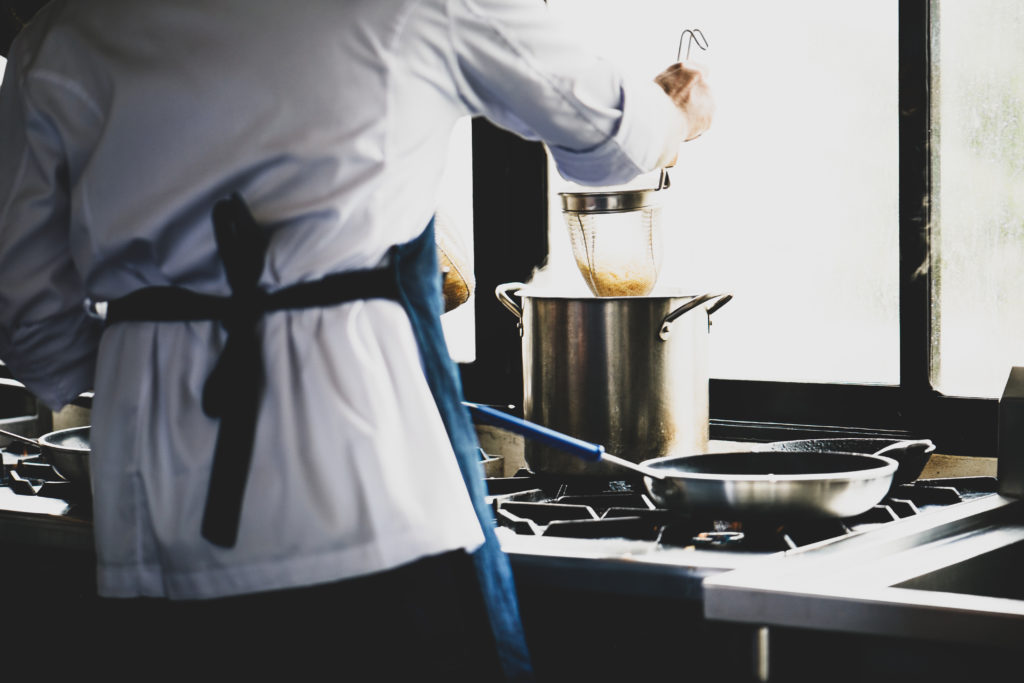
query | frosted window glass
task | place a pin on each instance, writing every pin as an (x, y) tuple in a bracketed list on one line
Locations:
[(790, 201), (978, 195)]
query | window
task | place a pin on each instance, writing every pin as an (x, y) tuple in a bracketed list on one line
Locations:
[(866, 214), (977, 194)]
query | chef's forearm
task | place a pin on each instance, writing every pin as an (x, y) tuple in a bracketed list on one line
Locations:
[(647, 137), (516, 64)]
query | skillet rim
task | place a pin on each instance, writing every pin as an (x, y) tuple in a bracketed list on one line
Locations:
[(885, 467)]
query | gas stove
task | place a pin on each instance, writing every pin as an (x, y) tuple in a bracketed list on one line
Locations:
[(595, 562), (596, 555), (551, 528), (38, 507)]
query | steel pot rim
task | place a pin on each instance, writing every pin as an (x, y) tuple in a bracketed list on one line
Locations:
[(536, 292)]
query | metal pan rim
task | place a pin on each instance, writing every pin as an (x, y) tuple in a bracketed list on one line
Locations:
[(886, 467)]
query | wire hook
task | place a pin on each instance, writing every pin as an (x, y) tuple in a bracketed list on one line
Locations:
[(696, 36)]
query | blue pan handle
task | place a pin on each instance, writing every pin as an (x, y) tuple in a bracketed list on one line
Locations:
[(591, 452)]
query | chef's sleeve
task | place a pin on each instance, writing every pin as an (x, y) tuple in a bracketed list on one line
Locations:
[(46, 339), (520, 67)]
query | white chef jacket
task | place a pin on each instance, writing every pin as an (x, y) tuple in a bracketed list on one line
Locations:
[(122, 123)]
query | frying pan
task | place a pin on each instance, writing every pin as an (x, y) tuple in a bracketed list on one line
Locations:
[(765, 485), (67, 450), (911, 455)]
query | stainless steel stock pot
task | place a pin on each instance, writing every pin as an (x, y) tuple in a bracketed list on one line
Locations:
[(626, 372)]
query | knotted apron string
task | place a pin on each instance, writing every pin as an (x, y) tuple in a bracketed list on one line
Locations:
[(233, 390)]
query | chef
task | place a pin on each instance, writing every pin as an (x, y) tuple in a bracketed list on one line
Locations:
[(218, 216)]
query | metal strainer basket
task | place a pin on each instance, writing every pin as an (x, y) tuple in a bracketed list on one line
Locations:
[(616, 235), (616, 239)]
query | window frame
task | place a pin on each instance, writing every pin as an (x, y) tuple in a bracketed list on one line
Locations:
[(510, 240)]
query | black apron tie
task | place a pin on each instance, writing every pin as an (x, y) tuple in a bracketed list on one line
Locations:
[(233, 390)]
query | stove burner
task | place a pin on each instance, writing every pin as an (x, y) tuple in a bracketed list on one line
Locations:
[(718, 538), (536, 505), (27, 473), (19, 451)]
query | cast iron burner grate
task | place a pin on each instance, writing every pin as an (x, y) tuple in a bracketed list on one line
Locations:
[(533, 504), (26, 473)]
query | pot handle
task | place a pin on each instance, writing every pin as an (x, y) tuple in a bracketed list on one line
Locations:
[(666, 324), (723, 300), (504, 293)]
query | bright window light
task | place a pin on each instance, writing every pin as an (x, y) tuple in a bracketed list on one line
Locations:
[(790, 201), (978, 195)]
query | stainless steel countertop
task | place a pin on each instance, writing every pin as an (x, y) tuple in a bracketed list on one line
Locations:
[(43, 522), (859, 584), (625, 567)]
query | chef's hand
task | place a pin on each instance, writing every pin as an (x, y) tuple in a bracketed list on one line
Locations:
[(686, 83)]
